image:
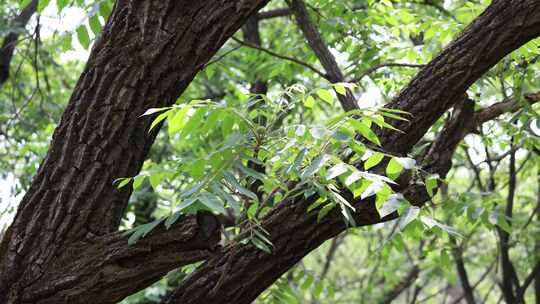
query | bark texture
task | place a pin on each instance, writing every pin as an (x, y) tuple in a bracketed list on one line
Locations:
[(147, 55)]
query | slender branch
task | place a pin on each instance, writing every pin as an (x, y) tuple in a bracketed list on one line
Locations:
[(11, 40), (405, 283), (321, 50), (274, 54), (510, 282), (384, 65), (506, 106), (279, 12), (528, 280), (330, 256), (457, 253)]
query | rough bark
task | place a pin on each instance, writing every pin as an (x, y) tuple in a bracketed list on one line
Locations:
[(107, 268), (148, 53), (11, 39), (239, 273)]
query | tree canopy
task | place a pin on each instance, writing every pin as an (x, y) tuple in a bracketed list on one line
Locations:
[(286, 151)]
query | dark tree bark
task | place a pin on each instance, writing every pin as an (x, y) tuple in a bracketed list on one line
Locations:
[(510, 282), (147, 55), (11, 39), (239, 273)]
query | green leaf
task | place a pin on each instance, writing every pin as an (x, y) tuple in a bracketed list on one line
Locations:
[(325, 210), (187, 203), (213, 202), (236, 185), (408, 216), (95, 25), (61, 4), (390, 205), (340, 89), (297, 161), (317, 204), (122, 182), (142, 231), (161, 117), (365, 131), (82, 35), (250, 172), (67, 42), (393, 169), (309, 102), (325, 95), (315, 166), (261, 245), (336, 171), (194, 122), (154, 110), (353, 177), (137, 181), (503, 223), (172, 219), (155, 179), (42, 4), (431, 184), (373, 160)]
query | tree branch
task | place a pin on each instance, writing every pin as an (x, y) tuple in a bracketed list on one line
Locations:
[(317, 44), (274, 54), (384, 65), (404, 284), (11, 39), (106, 269), (279, 12)]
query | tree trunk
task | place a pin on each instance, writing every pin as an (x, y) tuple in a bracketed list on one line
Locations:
[(147, 55)]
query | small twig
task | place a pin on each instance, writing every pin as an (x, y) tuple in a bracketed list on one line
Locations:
[(274, 54), (383, 65)]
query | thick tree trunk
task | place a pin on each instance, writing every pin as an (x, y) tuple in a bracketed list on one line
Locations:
[(240, 273), (147, 55)]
